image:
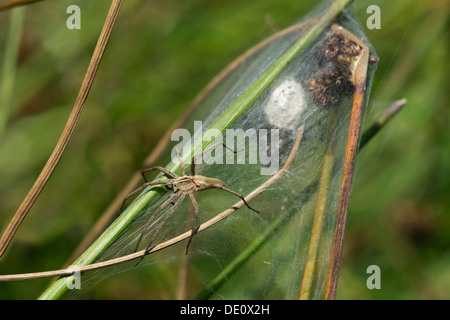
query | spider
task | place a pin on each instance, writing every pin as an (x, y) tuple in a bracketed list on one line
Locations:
[(181, 186), (336, 56)]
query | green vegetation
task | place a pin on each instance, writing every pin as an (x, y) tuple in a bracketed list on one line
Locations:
[(160, 55)]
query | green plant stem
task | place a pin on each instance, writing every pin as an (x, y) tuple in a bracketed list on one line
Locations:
[(120, 225), (380, 123), (267, 234)]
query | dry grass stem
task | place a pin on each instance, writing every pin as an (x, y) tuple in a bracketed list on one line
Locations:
[(359, 80), (67, 132)]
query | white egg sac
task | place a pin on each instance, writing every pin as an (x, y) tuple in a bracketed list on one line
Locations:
[(286, 105)]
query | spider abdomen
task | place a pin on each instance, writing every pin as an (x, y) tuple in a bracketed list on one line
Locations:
[(203, 183)]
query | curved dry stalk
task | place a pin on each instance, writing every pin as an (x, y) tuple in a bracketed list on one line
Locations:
[(67, 132), (174, 240)]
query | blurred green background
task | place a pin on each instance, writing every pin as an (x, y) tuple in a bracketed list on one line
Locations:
[(160, 55)]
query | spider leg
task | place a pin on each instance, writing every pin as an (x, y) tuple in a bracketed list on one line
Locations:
[(194, 227), (145, 185), (207, 149), (237, 195), (172, 210), (164, 170), (164, 205)]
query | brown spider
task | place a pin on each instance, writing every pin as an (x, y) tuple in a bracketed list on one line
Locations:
[(336, 56), (181, 186)]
